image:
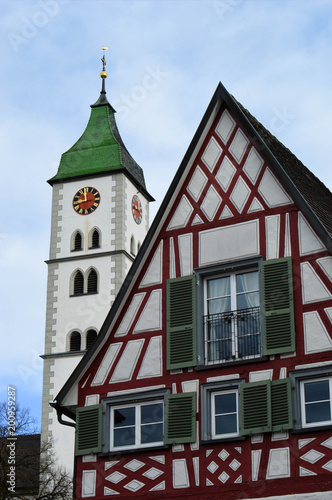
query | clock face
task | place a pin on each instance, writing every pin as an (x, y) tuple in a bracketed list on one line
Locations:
[(136, 208), (86, 200)]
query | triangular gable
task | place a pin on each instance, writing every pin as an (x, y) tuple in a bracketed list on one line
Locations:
[(223, 178)]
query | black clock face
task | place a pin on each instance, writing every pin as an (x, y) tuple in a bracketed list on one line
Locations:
[(86, 200), (136, 208)]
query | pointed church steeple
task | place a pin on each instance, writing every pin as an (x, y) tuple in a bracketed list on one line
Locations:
[(100, 149)]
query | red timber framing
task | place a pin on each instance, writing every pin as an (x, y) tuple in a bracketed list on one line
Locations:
[(212, 375)]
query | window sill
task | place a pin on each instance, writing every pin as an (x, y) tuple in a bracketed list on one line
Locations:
[(231, 363), (311, 429), (83, 294), (131, 451), (222, 440)]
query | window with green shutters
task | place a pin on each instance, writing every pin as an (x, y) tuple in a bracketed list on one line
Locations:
[(180, 418), (233, 316), (89, 429), (277, 306), (266, 406), (181, 322)]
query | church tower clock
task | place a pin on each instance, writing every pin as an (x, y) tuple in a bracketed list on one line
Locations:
[(100, 216)]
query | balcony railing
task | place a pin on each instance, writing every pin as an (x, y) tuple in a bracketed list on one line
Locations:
[(232, 335)]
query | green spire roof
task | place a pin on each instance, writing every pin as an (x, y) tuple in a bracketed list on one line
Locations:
[(100, 149)]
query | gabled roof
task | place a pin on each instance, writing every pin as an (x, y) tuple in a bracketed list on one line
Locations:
[(305, 189), (99, 150)]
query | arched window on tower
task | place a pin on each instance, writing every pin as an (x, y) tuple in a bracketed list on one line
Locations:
[(132, 245), (92, 282), (75, 341), (95, 243), (90, 338), (138, 246), (78, 287), (77, 243)]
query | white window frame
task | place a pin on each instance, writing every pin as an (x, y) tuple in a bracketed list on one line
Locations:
[(303, 402), (203, 276), (138, 426), (214, 435), (208, 391), (130, 399)]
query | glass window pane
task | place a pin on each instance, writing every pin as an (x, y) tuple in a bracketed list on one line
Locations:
[(124, 437), (246, 282), (218, 287), (318, 412), (152, 413), (317, 391), (225, 403), (247, 300), (124, 417), (226, 424), (216, 306), (152, 433)]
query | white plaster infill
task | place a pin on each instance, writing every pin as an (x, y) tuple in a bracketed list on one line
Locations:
[(228, 243)]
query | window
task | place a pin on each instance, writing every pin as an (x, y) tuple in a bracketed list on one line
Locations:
[(232, 317), (94, 239), (77, 243), (312, 397), (92, 282), (75, 341), (132, 245), (90, 338), (220, 410), (78, 283), (232, 313), (137, 426), (316, 402), (134, 421), (84, 283)]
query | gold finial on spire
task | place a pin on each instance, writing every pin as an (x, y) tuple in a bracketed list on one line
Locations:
[(103, 74)]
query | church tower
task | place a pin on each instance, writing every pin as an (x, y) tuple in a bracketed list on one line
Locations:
[(100, 216)]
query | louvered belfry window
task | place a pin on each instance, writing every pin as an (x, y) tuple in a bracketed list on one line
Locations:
[(95, 239), (92, 282), (78, 283), (75, 341), (78, 241), (90, 338)]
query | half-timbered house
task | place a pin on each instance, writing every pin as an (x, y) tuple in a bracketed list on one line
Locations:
[(212, 374)]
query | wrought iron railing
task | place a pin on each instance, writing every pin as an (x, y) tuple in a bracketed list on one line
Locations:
[(232, 335)]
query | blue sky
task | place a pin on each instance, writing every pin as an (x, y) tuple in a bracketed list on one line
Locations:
[(164, 62)]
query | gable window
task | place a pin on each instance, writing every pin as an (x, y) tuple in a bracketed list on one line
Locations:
[(220, 410), (232, 317), (235, 312), (316, 402), (128, 422), (312, 397), (137, 426)]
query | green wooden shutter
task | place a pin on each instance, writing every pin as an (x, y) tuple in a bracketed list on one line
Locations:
[(180, 418), (89, 429), (281, 405), (181, 322), (278, 309), (255, 407)]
